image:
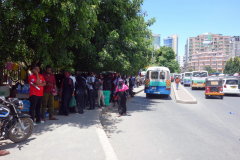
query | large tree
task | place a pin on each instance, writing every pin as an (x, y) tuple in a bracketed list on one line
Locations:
[(37, 32), (165, 56)]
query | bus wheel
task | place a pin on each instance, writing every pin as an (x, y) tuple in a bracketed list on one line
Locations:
[(147, 95), (206, 97), (192, 88), (221, 97)]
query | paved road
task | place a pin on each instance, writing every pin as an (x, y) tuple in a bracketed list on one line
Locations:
[(159, 128)]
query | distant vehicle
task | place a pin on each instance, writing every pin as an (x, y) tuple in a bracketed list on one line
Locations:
[(158, 81), (221, 75), (187, 78), (231, 86), (213, 87), (198, 79)]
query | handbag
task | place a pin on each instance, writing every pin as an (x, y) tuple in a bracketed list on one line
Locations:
[(73, 102)]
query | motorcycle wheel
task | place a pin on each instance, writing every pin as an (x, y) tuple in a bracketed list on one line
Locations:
[(17, 135)]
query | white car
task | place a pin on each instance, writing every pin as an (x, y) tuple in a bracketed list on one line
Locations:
[(231, 86)]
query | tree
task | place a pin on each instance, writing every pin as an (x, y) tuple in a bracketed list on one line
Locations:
[(165, 56), (208, 68), (190, 70), (236, 65), (228, 67)]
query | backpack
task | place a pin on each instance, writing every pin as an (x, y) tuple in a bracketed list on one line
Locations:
[(96, 84)]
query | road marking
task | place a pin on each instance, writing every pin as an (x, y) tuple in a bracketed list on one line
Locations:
[(107, 147)]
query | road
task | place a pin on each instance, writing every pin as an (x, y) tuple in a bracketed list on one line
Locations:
[(158, 128)]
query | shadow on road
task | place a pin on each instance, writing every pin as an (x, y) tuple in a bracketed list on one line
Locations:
[(7, 144)]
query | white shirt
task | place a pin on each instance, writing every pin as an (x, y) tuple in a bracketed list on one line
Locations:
[(74, 81), (90, 80)]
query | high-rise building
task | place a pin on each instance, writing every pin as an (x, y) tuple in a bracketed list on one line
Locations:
[(235, 46), (207, 50), (157, 41), (172, 41), (180, 61)]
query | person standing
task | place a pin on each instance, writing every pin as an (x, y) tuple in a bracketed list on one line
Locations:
[(100, 91), (122, 89), (84, 76), (131, 86), (67, 92), (91, 80), (48, 93), (177, 80), (107, 85), (74, 80), (80, 88), (37, 82)]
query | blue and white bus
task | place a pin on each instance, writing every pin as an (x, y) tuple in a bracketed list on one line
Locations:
[(158, 81)]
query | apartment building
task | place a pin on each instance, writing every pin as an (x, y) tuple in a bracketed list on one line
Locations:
[(172, 41), (235, 46), (208, 50)]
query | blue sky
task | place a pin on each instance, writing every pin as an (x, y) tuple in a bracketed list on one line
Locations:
[(189, 18)]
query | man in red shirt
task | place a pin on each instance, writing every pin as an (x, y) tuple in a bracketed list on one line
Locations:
[(37, 82), (48, 93)]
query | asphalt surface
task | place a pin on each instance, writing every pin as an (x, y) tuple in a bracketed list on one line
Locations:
[(159, 128)]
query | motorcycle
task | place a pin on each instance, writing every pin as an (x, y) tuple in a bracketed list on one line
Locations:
[(14, 126)]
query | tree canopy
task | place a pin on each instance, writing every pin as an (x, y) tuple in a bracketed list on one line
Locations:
[(232, 66), (165, 56), (85, 35)]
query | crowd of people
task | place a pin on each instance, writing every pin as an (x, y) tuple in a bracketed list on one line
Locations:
[(83, 88)]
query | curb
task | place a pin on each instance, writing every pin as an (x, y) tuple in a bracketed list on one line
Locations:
[(178, 100)]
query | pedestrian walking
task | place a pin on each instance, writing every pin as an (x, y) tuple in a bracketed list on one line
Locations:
[(37, 82), (80, 88), (90, 81), (48, 93), (177, 80), (122, 90), (67, 92), (100, 91)]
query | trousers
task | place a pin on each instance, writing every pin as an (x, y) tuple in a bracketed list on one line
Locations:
[(177, 84), (122, 99), (36, 103), (100, 97), (80, 100), (48, 100), (92, 98)]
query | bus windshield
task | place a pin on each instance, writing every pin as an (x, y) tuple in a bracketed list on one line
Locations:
[(199, 74), (188, 74)]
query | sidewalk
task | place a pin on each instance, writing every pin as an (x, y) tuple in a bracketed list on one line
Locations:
[(78, 136), (182, 95)]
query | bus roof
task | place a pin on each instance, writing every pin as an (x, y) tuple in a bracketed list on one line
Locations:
[(158, 68)]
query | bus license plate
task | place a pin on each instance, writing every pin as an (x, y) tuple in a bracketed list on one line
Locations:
[(154, 87)]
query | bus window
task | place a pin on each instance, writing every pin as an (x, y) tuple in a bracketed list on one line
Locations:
[(162, 75), (154, 75), (147, 75)]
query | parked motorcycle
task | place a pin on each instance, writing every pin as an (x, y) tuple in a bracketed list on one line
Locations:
[(14, 125)]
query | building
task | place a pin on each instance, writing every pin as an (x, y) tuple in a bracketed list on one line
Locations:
[(235, 46), (172, 41), (157, 41), (207, 50), (180, 61)]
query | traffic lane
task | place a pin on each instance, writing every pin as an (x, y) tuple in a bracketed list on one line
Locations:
[(163, 129), (220, 108)]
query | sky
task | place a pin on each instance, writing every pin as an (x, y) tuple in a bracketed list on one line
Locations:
[(190, 18)]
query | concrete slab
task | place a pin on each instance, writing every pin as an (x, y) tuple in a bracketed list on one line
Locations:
[(182, 95)]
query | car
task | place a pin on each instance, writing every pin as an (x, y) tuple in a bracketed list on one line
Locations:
[(231, 85)]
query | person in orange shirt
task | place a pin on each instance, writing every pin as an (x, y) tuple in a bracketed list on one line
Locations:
[(177, 80)]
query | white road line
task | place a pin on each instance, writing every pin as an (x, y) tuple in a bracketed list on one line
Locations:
[(107, 147)]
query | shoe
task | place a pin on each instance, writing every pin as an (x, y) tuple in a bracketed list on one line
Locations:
[(41, 122), (99, 107), (34, 124), (89, 109)]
